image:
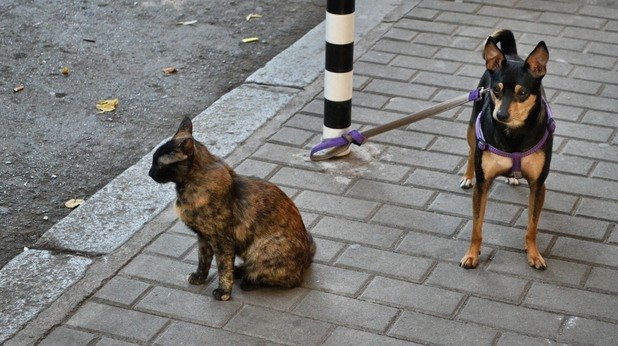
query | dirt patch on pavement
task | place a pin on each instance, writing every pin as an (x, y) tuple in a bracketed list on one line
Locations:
[(54, 146)]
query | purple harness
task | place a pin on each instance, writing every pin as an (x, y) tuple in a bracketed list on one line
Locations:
[(516, 157)]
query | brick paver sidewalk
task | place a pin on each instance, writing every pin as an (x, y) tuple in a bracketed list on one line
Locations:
[(391, 222)]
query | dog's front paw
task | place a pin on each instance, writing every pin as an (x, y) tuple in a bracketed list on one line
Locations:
[(469, 261), (465, 182), (537, 261), (197, 278), (512, 181), (221, 294)]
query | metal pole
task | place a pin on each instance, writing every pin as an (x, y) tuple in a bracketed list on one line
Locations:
[(339, 69)]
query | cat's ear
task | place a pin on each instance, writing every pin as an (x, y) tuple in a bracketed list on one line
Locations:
[(188, 146), (185, 129)]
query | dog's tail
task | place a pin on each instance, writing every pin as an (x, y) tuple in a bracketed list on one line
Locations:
[(506, 40)]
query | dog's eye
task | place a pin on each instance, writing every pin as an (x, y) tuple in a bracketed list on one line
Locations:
[(497, 89), (522, 93)]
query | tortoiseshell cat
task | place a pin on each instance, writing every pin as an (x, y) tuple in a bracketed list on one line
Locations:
[(233, 215)]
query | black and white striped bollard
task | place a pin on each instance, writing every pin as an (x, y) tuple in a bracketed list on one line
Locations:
[(339, 68)]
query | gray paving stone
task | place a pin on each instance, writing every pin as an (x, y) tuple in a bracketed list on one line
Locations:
[(567, 224), (596, 75), (172, 244), (393, 88), (585, 59), (583, 186), (609, 90), (462, 205), (586, 132), (561, 272), (406, 48), (291, 136), (180, 227), (114, 342), (440, 127), (566, 113), (520, 195), (421, 158), (434, 180), (505, 236), (422, 13), (160, 269), (477, 282), (449, 145), (277, 298), (511, 317), (337, 205), (380, 57), (277, 326), (334, 279), (326, 249), (436, 39), (603, 48), (590, 34), (448, 80), (584, 331), (409, 106), (63, 336), (570, 84), (116, 321), (512, 13), (553, 6), (311, 180), (422, 26), (182, 333), (586, 251), (385, 263), (570, 164), (521, 26), (389, 193), (598, 209), (353, 337), (382, 71), (255, 168), (417, 219), (291, 156), (357, 232), (188, 306), (443, 249), (508, 339), (587, 101), (412, 296), (430, 329), (400, 34), (405, 139), (345, 311), (603, 279), (581, 21), (571, 301), (122, 290), (362, 99), (359, 82), (449, 6), (606, 170), (599, 11), (470, 19)]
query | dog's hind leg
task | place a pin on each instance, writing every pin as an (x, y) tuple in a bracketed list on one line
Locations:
[(466, 180), (537, 197)]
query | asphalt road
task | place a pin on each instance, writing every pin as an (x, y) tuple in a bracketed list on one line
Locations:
[(54, 145)]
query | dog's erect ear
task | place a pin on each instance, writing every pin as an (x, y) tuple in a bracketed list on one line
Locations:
[(494, 58), (185, 129), (536, 62)]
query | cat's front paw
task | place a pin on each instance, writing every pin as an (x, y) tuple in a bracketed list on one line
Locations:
[(197, 278), (220, 294)]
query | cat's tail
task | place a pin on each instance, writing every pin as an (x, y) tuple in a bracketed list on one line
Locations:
[(312, 249)]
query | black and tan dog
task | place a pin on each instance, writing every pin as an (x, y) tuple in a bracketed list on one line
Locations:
[(510, 134)]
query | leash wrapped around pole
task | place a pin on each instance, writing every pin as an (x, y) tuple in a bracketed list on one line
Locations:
[(334, 146)]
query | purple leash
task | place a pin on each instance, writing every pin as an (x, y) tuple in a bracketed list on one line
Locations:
[(516, 156), (340, 144)]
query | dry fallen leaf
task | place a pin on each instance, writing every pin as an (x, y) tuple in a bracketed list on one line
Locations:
[(18, 88), (190, 22), (253, 15), (250, 39), (170, 70), (73, 203), (107, 105), (65, 71)]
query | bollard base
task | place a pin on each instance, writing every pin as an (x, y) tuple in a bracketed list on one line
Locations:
[(334, 133)]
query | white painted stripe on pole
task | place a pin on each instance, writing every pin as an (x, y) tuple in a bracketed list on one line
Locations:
[(339, 28), (338, 86)]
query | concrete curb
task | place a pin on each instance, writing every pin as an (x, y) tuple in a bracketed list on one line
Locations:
[(113, 215)]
